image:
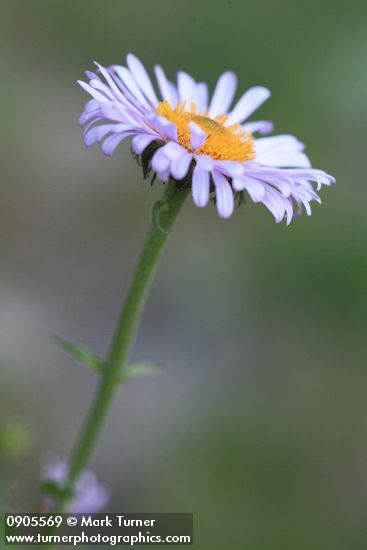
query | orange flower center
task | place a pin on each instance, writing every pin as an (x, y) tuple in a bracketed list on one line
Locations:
[(222, 143)]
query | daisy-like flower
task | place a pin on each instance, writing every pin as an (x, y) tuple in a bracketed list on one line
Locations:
[(89, 497), (207, 144)]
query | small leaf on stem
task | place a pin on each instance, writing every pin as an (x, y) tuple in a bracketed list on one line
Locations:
[(138, 370), (81, 354)]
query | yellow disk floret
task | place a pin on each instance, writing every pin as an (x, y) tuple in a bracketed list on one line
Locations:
[(222, 143)]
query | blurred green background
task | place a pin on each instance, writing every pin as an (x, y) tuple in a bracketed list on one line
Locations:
[(259, 422)]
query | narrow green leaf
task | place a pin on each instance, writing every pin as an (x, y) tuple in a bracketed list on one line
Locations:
[(138, 370), (158, 209), (81, 354)]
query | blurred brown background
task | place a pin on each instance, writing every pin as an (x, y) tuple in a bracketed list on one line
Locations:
[(259, 422)]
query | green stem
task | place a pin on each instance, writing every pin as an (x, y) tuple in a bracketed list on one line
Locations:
[(164, 214)]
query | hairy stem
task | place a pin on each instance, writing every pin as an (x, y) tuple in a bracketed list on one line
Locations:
[(164, 214)]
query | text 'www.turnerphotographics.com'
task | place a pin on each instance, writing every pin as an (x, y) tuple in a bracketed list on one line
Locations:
[(98, 529)]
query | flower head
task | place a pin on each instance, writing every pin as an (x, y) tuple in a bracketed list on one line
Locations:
[(205, 144), (89, 495)]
